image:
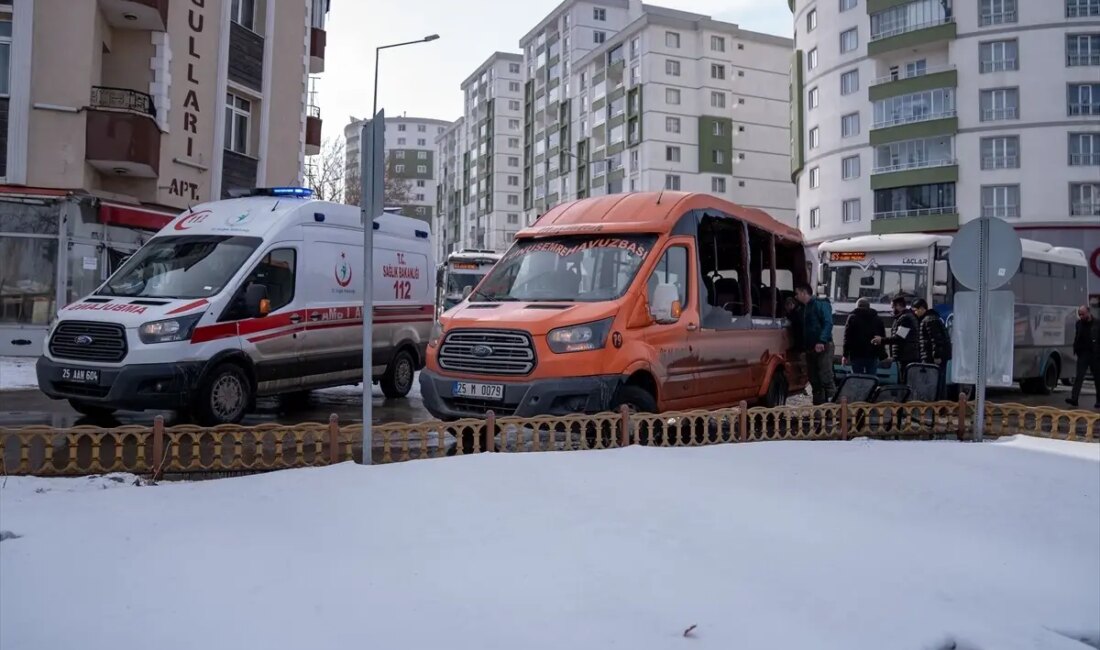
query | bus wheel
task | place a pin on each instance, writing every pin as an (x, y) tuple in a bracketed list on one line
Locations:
[(398, 379), (1046, 384), (224, 396)]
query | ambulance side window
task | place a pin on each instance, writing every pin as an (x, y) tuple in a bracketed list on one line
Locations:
[(276, 272)]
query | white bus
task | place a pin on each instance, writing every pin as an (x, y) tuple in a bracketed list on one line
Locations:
[(1049, 286), (460, 270)]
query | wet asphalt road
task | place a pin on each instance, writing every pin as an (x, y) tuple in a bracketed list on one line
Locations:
[(30, 407)]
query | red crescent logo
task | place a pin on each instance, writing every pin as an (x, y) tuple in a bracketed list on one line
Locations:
[(336, 271), (193, 218)]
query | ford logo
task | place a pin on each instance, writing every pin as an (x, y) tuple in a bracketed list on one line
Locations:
[(83, 339), (482, 350)]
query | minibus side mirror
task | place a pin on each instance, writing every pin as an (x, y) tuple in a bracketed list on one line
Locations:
[(466, 291), (255, 300), (666, 304)]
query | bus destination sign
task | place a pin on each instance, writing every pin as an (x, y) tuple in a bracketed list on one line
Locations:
[(847, 256)]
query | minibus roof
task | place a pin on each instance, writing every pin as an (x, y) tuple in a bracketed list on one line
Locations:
[(644, 212)]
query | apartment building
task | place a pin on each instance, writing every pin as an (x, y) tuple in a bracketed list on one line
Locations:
[(622, 96), (450, 208), (920, 116), (409, 151), (117, 114)]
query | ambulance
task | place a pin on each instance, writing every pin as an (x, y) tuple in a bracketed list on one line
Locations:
[(243, 298)]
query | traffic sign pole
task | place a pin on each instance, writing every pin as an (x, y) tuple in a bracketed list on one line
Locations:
[(983, 330)]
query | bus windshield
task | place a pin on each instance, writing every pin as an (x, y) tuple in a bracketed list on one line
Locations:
[(190, 266), (879, 284), (589, 268), (457, 282)]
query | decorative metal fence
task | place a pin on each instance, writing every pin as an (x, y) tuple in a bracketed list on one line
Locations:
[(196, 451)]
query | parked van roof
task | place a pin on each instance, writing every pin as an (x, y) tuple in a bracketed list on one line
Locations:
[(649, 212)]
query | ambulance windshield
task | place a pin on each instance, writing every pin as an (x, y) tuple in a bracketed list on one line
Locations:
[(189, 266)]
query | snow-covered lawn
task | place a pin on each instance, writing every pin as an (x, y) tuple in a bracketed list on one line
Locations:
[(17, 373), (784, 545)]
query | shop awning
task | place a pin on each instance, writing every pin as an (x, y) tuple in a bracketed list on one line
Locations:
[(114, 214)]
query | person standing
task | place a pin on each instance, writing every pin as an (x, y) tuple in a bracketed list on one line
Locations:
[(904, 339), (862, 326), (1086, 345), (934, 343), (817, 341), (794, 322)]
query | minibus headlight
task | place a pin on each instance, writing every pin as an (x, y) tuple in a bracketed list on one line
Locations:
[(171, 329), (437, 333), (579, 338)]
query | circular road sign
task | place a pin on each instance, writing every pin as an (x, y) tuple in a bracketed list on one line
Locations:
[(1004, 249)]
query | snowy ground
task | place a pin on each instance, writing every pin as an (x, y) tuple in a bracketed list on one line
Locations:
[(17, 373), (816, 545)]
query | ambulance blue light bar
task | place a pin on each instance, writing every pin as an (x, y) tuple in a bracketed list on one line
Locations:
[(292, 192)]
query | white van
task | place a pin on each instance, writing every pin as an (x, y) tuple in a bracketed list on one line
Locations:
[(241, 298)]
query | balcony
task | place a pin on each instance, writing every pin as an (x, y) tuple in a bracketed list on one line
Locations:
[(923, 172), (122, 137), (148, 15), (918, 220), (1084, 108), (1084, 159), (313, 131), (912, 35), (1001, 211), (944, 76), (316, 50)]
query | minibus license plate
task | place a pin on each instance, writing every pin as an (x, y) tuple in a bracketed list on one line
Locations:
[(493, 392), (80, 375)]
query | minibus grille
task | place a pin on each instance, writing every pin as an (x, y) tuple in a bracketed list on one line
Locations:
[(107, 341), (488, 352)]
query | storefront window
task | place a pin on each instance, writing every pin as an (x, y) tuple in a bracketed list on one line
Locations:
[(28, 275), (29, 219)]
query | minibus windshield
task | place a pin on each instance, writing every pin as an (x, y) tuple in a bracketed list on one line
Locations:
[(581, 268), (189, 266)]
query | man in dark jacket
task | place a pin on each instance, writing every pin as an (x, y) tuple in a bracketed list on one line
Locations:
[(817, 341), (862, 326), (1086, 345), (904, 339), (934, 343)]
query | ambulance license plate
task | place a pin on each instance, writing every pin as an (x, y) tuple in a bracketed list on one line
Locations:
[(493, 392), (80, 375)]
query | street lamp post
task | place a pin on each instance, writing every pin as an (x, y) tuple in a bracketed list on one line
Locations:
[(367, 192)]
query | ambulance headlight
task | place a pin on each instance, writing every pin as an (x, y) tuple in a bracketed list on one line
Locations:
[(171, 329)]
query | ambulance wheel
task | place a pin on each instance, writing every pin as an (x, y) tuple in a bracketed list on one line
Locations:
[(398, 378), (91, 410), (224, 396)]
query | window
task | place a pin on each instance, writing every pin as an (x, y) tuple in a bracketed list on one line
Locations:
[(1000, 104), (1082, 49), (815, 178), (513, 104), (915, 200), (513, 143), (401, 127), (422, 155), (1084, 149), (420, 183), (635, 75), (672, 182), (672, 269), (933, 151), (910, 16), (243, 12), (672, 154), (5, 58), (811, 20), (1001, 152), (1084, 199), (718, 157), (421, 142), (1084, 99), (513, 181), (513, 219), (815, 138), (915, 107), (996, 12), (419, 197), (1082, 8), (599, 37), (583, 81), (513, 161), (421, 128), (811, 59), (998, 56), (401, 141), (718, 43), (635, 47), (815, 217), (717, 128), (599, 13), (1001, 201), (717, 99), (513, 124), (513, 86), (849, 82), (421, 169), (672, 124), (275, 272), (849, 125), (849, 40), (849, 168), (672, 96), (400, 153), (718, 185), (513, 68), (813, 98), (845, 5), (238, 113), (850, 211), (717, 71), (672, 40), (672, 68)]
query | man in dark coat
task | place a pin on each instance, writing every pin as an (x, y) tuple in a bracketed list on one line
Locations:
[(934, 343), (904, 339), (862, 326), (1086, 345), (817, 341)]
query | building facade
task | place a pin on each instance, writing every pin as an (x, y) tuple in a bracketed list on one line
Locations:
[(409, 152), (920, 116), (148, 107), (621, 96), (450, 208)]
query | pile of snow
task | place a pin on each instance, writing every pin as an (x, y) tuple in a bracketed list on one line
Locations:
[(17, 373), (914, 545)]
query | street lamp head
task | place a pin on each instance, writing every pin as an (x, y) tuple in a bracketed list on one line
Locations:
[(431, 38)]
